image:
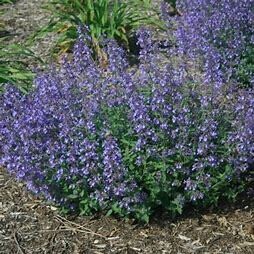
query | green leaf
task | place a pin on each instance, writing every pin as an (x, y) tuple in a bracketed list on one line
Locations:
[(72, 196), (110, 212)]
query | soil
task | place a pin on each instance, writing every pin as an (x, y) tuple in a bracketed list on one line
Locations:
[(28, 224)]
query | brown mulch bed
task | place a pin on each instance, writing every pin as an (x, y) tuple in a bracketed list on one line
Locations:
[(30, 225)]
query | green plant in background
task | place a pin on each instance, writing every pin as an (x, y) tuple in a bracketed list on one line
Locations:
[(245, 69), (112, 19), (14, 59), (6, 1), (13, 66)]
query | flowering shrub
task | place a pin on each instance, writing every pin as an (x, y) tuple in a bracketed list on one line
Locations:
[(127, 141), (221, 34)]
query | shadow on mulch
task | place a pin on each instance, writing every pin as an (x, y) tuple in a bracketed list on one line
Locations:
[(30, 225)]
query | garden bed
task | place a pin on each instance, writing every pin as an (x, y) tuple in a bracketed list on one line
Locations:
[(29, 224)]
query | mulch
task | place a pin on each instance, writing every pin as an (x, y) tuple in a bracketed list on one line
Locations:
[(29, 224)]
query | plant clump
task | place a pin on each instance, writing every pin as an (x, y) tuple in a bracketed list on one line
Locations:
[(103, 18), (128, 140)]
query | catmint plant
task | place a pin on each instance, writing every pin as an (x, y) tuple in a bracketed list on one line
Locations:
[(220, 34), (127, 140)]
